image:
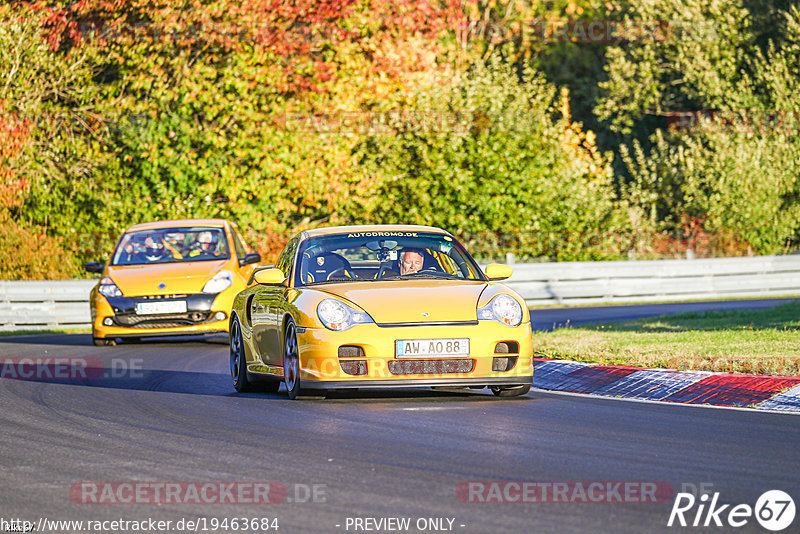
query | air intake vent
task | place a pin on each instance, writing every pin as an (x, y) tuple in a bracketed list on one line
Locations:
[(354, 367), (507, 347), (501, 365), (430, 367), (351, 351)]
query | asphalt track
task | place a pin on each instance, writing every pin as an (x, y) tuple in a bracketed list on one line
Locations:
[(165, 411)]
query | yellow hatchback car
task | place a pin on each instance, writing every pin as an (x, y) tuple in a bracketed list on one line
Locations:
[(170, 278), (380, 307)]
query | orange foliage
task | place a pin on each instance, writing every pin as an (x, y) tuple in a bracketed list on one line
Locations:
[(14, 134)]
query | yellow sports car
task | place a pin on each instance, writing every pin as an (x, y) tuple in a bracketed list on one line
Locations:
[(170, 278), (378, 307)]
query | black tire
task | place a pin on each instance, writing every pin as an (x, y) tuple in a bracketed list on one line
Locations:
[(291, 360), (511, 391), (238, 361), (104, 342)]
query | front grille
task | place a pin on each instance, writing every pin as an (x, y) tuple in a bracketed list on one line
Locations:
[(430, 367), (165, 320), (160, 297), (501, 365)]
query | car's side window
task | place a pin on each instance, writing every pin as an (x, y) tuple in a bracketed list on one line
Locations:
[(237, 242), (285, 260)]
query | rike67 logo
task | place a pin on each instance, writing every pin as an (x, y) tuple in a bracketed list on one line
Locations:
[(774, 510)]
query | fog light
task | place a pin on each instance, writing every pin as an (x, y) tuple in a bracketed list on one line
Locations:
[(220, 316), (108, 321)]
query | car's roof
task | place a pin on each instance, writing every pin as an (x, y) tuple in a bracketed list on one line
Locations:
[(176, 223), (372, 228)]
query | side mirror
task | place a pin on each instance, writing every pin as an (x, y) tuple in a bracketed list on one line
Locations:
[(253, 257), (93, 267), (269, 277), (496, 271)]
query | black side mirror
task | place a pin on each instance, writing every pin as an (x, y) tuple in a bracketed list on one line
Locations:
[(253, 257), (93, 267)]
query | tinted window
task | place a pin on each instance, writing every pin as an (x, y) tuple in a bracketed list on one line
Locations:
[(171, 245), (237, 243), (286, 257), (378, 256)]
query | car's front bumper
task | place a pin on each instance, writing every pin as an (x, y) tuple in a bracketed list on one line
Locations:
[(200, 317), (418, 382), (321, 367)]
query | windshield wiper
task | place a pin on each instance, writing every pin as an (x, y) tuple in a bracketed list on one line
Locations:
[(424, 274), (337, 280)]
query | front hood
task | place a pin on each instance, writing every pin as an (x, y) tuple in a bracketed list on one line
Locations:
[(178, 278), (405, 301)]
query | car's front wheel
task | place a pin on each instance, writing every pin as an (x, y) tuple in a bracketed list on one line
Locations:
[(511, 391), (291, 360)]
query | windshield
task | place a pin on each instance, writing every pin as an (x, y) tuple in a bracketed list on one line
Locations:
[(387, 255), (171, 245)]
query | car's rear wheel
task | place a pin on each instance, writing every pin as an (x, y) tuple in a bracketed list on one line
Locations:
[(291, 360), (242, 381), (510, 391), (238, 360)]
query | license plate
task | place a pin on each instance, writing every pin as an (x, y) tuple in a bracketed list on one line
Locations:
[(150, 308), (432, 348)]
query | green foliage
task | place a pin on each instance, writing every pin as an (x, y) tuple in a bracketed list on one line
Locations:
[(738, 167), (113, 113), (492, 156)]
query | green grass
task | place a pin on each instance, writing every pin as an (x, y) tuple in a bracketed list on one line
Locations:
[(664, 301), (37, 332), (743, 341)]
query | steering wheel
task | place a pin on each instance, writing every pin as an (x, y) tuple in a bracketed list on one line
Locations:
[(340, 272)]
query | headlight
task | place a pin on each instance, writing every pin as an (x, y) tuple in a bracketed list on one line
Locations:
[(108, 288), (503, 309), (222, 280), (336, 315)]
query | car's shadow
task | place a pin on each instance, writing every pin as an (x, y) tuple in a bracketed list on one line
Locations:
[(217, 384), (98, 368), (85, 340)]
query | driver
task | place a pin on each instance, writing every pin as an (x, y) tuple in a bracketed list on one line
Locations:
[(153, 249), (411, 261)]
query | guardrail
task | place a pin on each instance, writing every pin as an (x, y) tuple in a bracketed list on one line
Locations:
[(656, 280), (64, 304), (38, 305)]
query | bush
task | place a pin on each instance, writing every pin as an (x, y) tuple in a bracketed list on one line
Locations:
[(735, 165), (495, 159)]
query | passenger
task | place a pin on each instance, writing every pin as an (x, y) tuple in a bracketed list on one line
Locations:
[(173, 242), (204, 245)]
